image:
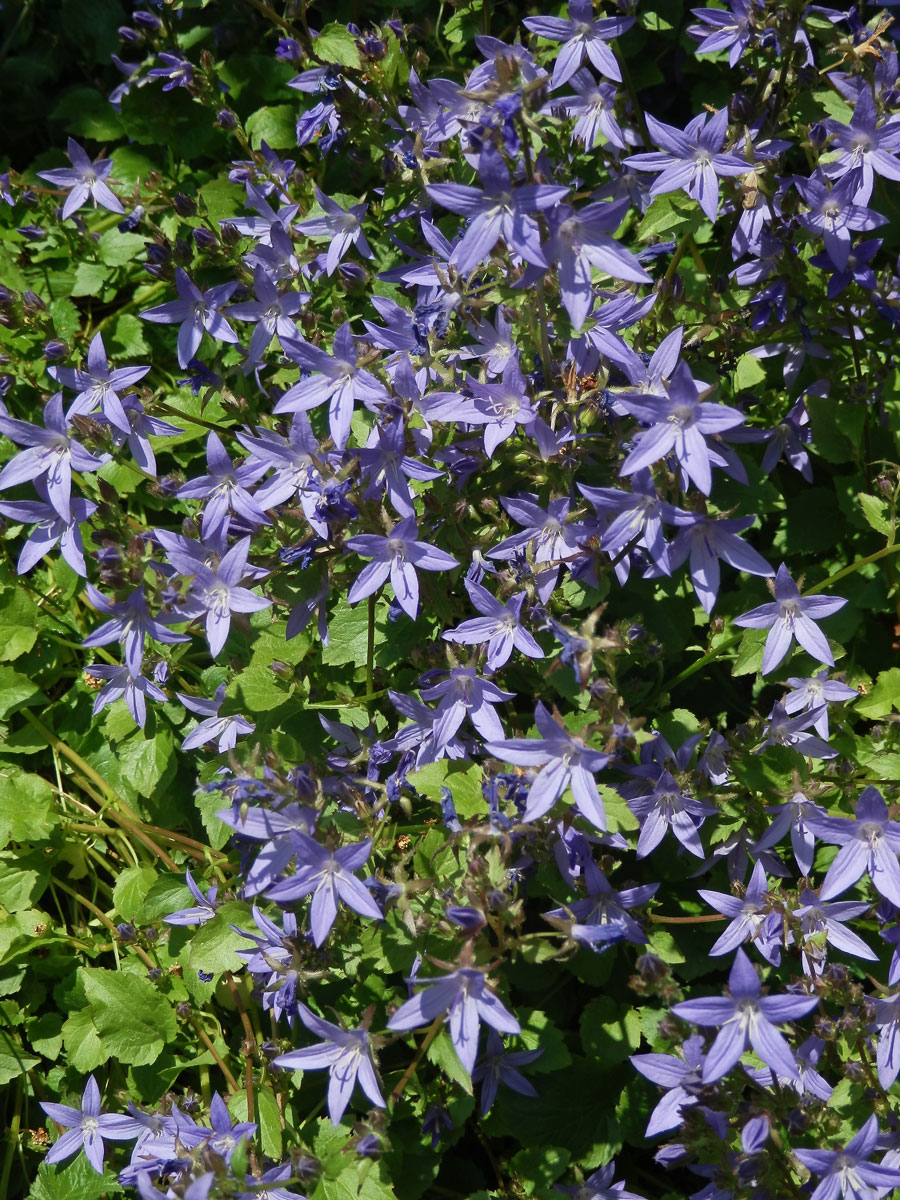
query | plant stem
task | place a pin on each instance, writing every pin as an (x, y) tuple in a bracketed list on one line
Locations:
[(102, 917), (233, 1084), (411, 1069), (370, 652), (12, 1137), (856, 566)]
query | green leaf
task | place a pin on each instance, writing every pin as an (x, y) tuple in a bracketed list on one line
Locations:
[(27, 807), (609, 1033), (537, 1168), (668, 213), (443, 1055), (883, 698), (83, 1043), (394, 67), (748, 372), (275, 124), (17, 691), (66, 318), (127, 337), (14, 1061), (619, 817), (167, 895), (18, 625), (875, 510), (213, 947), (663, 945), (87, 112), (575, 1111), (464, 24), (76, 1180), (217, 832), (348, 636), (336, 45), (750, 652), (90, 279), (257, 689), (833, 104), (131, 888), (133, 1020), (222, 198), (837, 428), (116, 249), (358, 1181), (124, 477), (540, 1033), (130, 166), (22, 881), (147, 762), (266, 1115), (464, 784), (45, 1034)]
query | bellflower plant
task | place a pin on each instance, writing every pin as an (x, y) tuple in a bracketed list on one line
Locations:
[(746, 1018), (468, 284)]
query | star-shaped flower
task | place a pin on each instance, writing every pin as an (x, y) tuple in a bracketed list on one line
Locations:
[(88, 1127), (791, 616), (85, 179)]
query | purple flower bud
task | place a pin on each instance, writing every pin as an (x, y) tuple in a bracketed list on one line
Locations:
[(157, 253), (205, 240), (288, 49), (467, 918), (183, 205), (226, 119), (55, 349), (818, 135), (32, 300), (34, 233), (129, 36), (740, 108), (146, 20), (131, 222)]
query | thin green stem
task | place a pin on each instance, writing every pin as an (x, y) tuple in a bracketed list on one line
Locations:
[(370, 651), (420, 1053), (856, 566), (104, 919), (703, 661), (701, 920), (543, 331), (233, 1084), (12, 1137)]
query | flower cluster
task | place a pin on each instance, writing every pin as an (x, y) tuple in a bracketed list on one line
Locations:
[(452, 476)]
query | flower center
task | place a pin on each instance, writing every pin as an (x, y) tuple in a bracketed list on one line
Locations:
[(682, 414), (871, 832)]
